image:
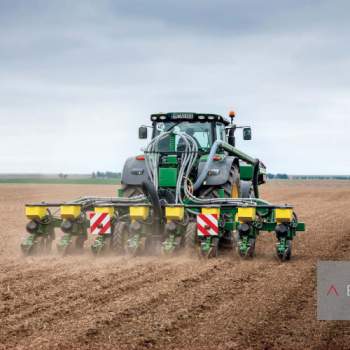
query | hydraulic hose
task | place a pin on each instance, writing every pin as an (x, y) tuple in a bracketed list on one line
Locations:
[(202, 176), (150, 192), (232, 150), (188, 158)]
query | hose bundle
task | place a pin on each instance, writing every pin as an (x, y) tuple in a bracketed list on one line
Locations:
[(188, 158)]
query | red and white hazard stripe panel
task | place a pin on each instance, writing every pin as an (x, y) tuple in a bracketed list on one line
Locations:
[(207, 225), (100, 223)]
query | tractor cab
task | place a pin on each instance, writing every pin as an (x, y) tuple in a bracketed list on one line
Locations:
[(204, 128)]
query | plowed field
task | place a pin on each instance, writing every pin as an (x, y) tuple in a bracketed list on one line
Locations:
[(75, 302)]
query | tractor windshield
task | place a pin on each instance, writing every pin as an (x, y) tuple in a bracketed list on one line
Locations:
[(201, 132)]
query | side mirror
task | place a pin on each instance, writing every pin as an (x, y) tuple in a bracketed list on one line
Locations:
[(247, 133), (143, 132), (231, 137)]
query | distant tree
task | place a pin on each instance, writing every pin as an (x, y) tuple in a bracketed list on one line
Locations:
[(106, 175), (112, 175), (281, 176), (270, 176)]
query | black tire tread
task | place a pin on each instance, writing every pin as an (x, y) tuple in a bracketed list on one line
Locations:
[(118, 238), (190, 236)]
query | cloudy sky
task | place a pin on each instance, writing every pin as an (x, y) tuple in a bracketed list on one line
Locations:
[(77, 78)]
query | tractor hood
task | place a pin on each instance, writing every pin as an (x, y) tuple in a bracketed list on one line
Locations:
[(135, 172)]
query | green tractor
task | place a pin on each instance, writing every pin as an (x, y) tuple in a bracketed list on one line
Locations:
[(193, 169), (220, 170), (191, 190)]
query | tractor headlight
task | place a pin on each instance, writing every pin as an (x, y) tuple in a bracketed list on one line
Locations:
[(213, 172)]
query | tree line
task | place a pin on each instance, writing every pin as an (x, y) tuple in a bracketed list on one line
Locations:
[(106, 175), (307, 177)]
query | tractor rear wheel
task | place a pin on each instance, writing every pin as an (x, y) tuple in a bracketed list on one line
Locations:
[(232, 187), (247, 189), (119, 238), (190, 238)]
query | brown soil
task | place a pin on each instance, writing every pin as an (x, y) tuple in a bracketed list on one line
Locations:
[(51, 302)]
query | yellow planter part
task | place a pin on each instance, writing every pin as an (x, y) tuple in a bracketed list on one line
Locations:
[(283, 215), (175, 213), (139, 213), (211, 211), (246, 214), (36, 212), (108, 210), (70, 211)]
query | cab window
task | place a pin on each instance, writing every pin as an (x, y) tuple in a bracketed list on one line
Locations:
[(220, 131), (201, 132)]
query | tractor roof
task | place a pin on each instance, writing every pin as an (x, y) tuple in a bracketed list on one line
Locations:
[(189, 117)]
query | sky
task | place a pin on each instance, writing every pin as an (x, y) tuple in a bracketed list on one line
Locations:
[(77, 79)]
